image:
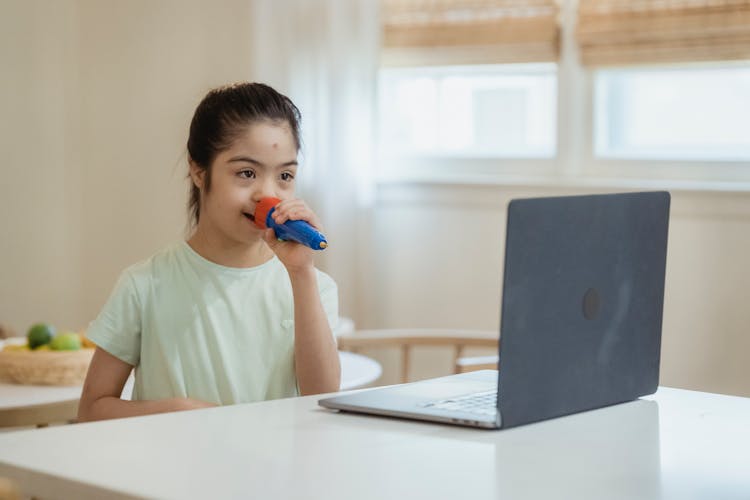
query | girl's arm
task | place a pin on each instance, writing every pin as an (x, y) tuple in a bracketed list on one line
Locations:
[(100, 399), (316, 359)]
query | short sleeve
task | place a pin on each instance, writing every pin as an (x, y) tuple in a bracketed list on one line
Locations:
[(329, 297), (117, 328)]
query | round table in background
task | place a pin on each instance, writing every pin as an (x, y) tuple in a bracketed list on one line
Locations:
[(358, 370)]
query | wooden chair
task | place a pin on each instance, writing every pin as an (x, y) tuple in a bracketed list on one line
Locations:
[(407, 339)]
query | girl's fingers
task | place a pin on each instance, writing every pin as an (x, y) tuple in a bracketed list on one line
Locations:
[(287, 208), (295, 209)]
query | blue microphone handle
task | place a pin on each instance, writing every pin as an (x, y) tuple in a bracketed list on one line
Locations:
[(297, 230)]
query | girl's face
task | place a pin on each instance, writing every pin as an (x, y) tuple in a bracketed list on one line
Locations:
[(261, 162)]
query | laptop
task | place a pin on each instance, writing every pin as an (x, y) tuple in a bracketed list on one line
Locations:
[(582, 303)]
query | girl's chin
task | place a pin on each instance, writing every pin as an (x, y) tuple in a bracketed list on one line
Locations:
[(254, 234)]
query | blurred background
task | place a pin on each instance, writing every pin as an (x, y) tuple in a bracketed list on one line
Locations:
[(421, 120)]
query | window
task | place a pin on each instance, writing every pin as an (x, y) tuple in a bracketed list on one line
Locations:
[(614, 97), (698, 113), (495, 111)]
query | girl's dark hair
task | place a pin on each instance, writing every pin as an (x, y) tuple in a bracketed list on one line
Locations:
[(222, 116)]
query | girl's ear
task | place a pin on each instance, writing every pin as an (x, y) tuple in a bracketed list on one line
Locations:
[(197, 174)]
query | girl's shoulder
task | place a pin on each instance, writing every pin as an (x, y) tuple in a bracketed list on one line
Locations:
[(160, 261)]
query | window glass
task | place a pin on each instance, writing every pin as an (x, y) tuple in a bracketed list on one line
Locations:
[(479, 111), (699, 113)]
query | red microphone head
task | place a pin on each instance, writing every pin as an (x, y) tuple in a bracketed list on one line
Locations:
[(261, 211)]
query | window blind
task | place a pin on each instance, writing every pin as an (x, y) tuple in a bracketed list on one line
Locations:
[(625, 32), (470, 31)]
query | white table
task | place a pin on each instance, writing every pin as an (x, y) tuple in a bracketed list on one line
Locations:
[(679, 444), (23, 404)]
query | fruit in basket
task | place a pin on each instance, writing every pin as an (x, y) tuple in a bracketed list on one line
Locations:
[(85, 341), (40, 334), (43, 366), (16, 348), (67, 341)]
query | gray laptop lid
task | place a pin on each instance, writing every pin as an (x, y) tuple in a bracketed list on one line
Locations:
[(582, 303)]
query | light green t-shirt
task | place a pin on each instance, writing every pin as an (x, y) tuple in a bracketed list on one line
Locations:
[(193, 328)]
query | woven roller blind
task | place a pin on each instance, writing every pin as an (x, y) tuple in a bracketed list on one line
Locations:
[(495, 31), (622, 32)]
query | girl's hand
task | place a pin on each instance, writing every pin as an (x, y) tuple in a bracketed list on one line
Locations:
[(294, 256)]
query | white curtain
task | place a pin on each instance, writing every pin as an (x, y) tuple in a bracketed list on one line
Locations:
[(323, 54)]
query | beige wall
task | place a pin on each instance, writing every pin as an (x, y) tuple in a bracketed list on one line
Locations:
[(706, 333), (39, 227), (95, 101)]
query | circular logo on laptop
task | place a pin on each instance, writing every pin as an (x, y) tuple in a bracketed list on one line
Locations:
[(591, 303)]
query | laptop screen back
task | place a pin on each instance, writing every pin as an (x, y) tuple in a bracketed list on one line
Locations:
[(582, 303)]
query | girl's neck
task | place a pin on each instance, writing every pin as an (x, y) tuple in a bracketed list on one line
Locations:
[(230, 253)]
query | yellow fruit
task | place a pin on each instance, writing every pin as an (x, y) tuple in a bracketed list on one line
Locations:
[(40, 334), (15, 347), (44, 347), (85, 341), (67, 341)]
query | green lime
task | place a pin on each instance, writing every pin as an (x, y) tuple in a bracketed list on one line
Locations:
[(68, 341), (40, 334)]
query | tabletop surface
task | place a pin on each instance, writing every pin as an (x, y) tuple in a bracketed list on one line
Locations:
[(675, 444)]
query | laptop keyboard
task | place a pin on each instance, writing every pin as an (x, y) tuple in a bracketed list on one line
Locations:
[(481, 403)]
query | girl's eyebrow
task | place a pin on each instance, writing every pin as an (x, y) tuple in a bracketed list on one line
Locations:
[(247, 159)]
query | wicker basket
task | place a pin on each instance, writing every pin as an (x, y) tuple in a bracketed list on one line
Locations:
[(45, 367)]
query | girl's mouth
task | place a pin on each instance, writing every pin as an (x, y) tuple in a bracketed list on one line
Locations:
[(249, 216)]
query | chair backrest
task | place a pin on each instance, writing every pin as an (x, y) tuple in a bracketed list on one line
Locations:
[(407, 339)]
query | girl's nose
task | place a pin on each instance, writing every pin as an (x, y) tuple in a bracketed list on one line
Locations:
[(263, 190)]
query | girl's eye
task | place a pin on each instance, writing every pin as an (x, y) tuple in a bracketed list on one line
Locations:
[(247, 174), (286, 176)]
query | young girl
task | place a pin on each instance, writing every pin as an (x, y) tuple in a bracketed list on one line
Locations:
[(231, 315)]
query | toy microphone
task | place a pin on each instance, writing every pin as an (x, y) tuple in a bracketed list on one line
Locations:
[(294, 230)]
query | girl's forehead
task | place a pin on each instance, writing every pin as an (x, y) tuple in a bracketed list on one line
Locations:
[(269, 130), (264, 139), (264, 136)]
